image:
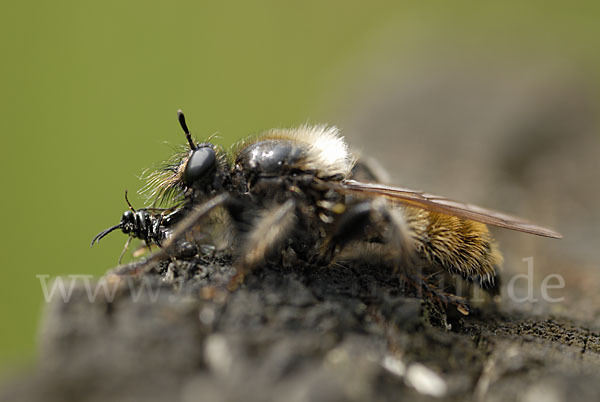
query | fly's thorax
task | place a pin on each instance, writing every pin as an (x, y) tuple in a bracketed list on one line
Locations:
[(271, 157), (266, 166), (318, 150)]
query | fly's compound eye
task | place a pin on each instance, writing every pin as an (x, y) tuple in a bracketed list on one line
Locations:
[(199, 165)]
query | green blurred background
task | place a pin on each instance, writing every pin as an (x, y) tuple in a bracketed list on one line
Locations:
[(90, 91)]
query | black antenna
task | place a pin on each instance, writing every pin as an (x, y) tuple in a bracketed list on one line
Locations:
[(128, 203), (184, 126), (100, 235)]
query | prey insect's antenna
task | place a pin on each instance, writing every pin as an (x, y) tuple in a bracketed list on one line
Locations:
[(131, 208), (184, 126), (100, 235)]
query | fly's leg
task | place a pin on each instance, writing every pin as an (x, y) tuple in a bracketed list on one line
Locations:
[(369, 222), (268, 235)]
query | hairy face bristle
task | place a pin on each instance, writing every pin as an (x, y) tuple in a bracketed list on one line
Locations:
[(164, 185)]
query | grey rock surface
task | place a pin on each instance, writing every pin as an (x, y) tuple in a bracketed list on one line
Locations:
[(297, 334)]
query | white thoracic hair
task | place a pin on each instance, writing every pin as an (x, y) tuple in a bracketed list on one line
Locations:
[(326, 151)]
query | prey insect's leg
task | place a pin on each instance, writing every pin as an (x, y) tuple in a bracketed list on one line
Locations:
[(125, 248)]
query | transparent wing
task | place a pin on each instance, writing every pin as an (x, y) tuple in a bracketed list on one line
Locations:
[(444, 205)]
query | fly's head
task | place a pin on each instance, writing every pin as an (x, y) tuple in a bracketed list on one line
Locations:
[(198, 172)]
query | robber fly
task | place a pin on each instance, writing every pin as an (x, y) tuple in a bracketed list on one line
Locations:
[(298, 189)]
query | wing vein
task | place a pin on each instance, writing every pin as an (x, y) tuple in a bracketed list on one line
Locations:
[(446, 206)]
